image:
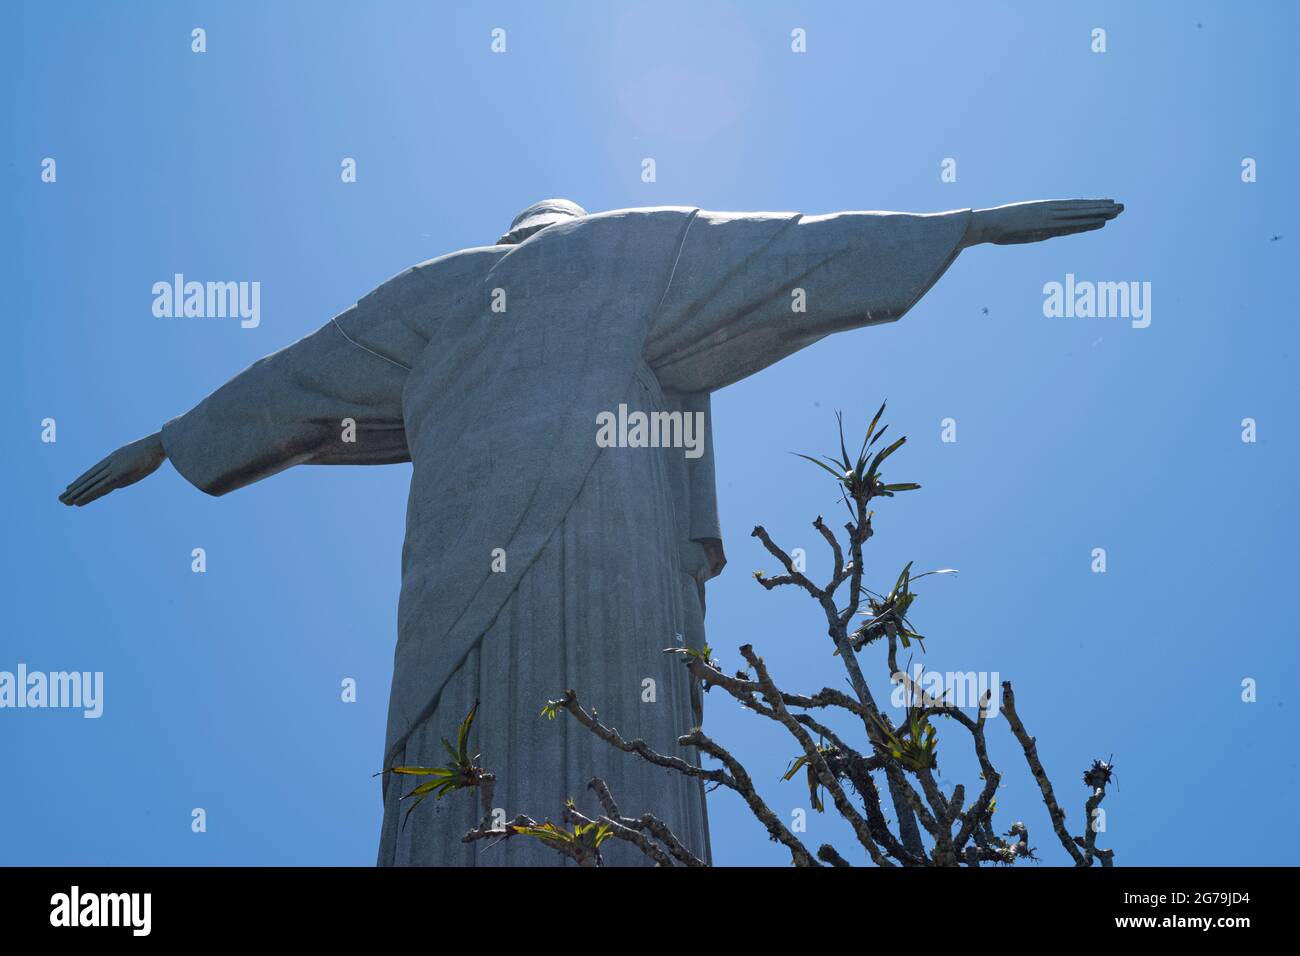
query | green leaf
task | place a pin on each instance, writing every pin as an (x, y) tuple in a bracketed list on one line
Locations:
[(415, 771), (424, 789), (462, 737), (917, 577), (882, 455), (795, 765), (844, 452), (900, 583), (867, 439), (838, 476)]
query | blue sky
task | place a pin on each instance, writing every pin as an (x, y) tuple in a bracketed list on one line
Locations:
[(222, 689)]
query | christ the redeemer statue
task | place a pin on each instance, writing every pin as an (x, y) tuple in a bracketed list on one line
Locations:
[(538, 558)]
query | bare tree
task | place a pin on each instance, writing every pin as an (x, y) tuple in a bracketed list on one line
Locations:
[(930, 828)]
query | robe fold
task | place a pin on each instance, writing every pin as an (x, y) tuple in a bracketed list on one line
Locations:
[(604, 547)]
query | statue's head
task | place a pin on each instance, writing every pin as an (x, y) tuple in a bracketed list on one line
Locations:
[(538, 216)]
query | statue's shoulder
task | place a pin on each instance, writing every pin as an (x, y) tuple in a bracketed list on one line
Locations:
[(642, 212), (639, 219), (610, 233), (433, 277), (480, 258)]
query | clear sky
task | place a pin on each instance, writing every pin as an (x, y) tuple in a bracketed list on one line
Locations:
[(222, 689)]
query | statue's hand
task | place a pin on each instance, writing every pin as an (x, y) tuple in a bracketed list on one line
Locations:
[(124, 467), (1036, 221)]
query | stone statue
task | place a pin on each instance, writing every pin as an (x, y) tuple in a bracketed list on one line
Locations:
[(540, 555)]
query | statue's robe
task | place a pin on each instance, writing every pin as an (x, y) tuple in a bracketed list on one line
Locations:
[(604, 557)]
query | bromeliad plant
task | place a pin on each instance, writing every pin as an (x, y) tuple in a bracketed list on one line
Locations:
[(860, 478), (895, 769), (589, 835), (914, 746), (802, 762), (887, 616), (463, 771), (582, 844)]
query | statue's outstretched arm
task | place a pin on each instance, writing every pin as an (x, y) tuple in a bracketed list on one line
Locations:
[(751, 288), (1039, 220), (126, 466), (325, 400)]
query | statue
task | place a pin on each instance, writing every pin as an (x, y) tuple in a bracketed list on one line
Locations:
[(544, 549)]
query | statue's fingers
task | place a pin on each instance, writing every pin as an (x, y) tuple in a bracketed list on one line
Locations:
[(1090, 209), (85, 481), (97, 490), (1082, 219), (77, 494), (1108, 211), (72, 497), (1086, 227), (1084, 203), (92, 472)]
